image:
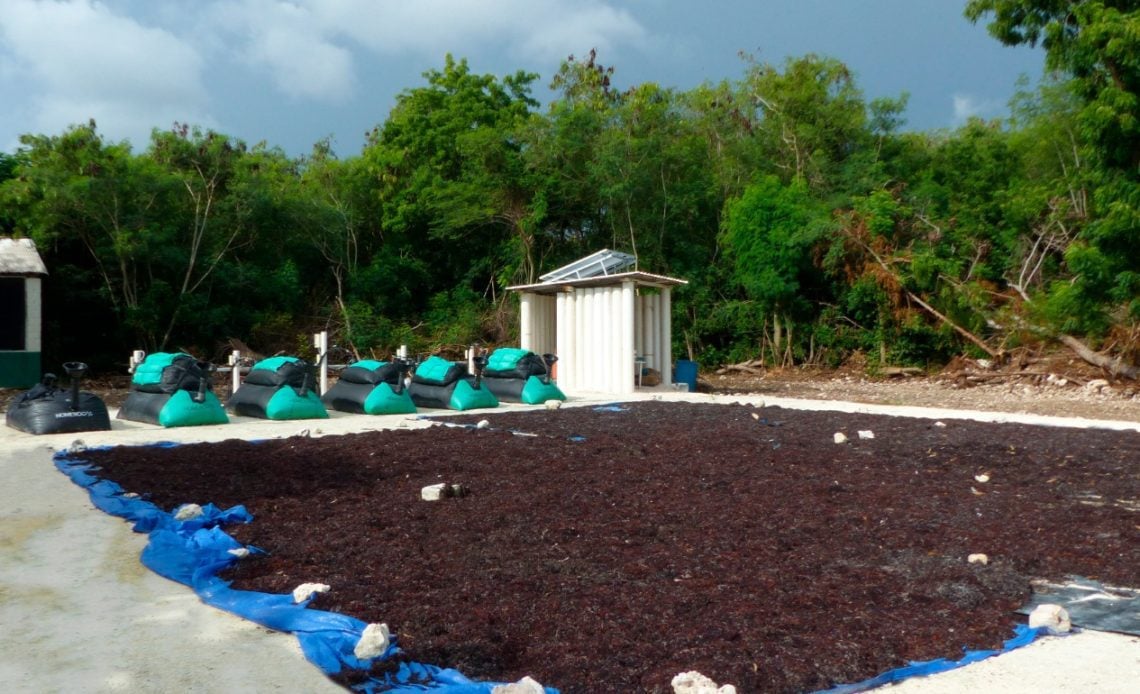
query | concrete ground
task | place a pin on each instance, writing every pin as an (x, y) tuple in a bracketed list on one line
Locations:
[(79, 612)]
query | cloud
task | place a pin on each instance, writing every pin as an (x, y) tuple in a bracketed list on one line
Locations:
[(76, 60), (967, 106), (287, 41), (306, 45)]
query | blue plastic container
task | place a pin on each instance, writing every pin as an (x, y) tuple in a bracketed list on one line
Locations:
[(686, 372)]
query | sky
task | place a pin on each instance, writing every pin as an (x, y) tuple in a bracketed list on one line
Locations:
[(291, 73)]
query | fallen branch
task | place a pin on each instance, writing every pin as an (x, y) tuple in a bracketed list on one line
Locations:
[(977, 341), (1113, 365), (894, 371)]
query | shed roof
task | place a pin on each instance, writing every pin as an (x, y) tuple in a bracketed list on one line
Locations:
[(641, 279), (19, 257)]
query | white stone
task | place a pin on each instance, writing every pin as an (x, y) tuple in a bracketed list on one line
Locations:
[(693, 682), (303, 433), (553, 404), (983, 478), (305, 591), (526, 685), (840, 437), (77, 446), (866, 434), (978, 559), (940, 424), (187, 512), (1096, 384), (373, 642), (1053, 617), (240, 552), (433, 492), (483, 424)]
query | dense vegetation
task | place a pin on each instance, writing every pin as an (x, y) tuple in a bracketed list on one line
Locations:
[(811, 225)]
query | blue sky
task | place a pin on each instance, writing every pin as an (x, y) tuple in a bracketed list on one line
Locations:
[(293, 72)]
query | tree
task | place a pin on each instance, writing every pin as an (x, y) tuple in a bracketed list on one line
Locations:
[(768, 235), (451, 178), (1097, 43)]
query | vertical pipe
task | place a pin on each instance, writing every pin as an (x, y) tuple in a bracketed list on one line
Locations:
[(626, 384), (667, 336), (321, 343), (526, 320), (235, 370)]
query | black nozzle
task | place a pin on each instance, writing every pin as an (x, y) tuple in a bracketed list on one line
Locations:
[(306, 382), (480, 364), (548, 359), (204, 382), (74, 371), (403, 366)]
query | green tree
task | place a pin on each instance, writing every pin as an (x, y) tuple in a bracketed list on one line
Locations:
[(1096, 43), (768, 237)]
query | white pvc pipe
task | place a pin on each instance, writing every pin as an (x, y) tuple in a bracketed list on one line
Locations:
[(235, 370), (321, 343)]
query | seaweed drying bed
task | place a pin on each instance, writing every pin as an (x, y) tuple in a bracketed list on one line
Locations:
[(622, 545)]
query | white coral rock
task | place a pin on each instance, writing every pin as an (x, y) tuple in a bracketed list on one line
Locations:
[(187, 512), (483, 424), (840, 437), (866, 434), (433, 492), (304, 591), (693, 682), (1053, 617), (978, 559), (373, 642), (526, 685), (553, 404)]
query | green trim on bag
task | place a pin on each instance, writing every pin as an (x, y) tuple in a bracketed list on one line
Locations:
[(182, 411), (506, 358), (151, 368), (382, 400), (535, 392), (370, 364), (434, 368), (465, 397), (286, 404), (273, 363)]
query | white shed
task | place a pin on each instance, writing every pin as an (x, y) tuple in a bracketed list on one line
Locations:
[(603, 321), (21, 270)]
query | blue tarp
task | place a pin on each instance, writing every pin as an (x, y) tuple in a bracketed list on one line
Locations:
[(193, 552), (1023, 636)]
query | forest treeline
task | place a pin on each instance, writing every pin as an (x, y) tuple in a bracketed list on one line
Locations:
[(811, 225)]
